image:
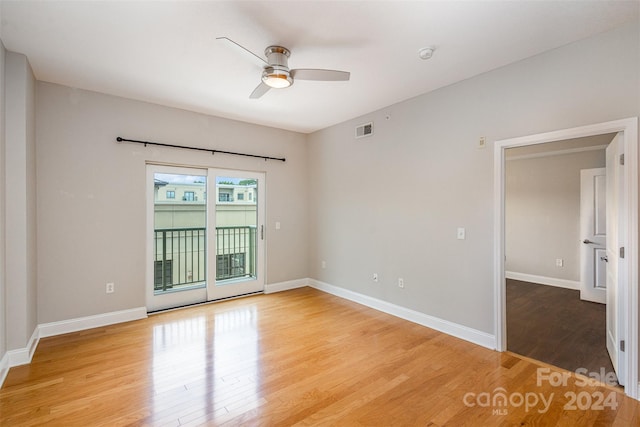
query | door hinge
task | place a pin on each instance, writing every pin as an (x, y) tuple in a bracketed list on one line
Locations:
[(622, 345), (622, 159), (622, 252)]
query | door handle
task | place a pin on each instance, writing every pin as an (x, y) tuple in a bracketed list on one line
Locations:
[(588, 242), (262, 232), (604, 258)]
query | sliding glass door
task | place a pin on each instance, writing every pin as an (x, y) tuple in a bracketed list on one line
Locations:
[(205, 236)]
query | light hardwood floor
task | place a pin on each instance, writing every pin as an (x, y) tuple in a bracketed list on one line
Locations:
[(300, 357)]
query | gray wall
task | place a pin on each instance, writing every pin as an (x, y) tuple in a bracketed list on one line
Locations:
[(542, 213), (91, 193), (391, 203), (20, 201)]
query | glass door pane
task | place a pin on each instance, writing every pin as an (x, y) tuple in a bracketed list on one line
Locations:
[(178, 241), (180, 216), (236, 225), (239, 233)]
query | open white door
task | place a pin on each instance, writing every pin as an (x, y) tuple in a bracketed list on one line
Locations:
[(615, 327), (593, 229)]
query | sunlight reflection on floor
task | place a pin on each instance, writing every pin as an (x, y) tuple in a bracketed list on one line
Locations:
[(228, 343)]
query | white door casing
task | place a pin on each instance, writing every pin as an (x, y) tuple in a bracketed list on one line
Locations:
[(593, 267)]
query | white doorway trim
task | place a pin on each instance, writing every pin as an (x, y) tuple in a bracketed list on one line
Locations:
[(628, 297)]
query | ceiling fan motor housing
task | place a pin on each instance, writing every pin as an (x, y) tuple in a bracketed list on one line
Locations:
[(277, 55)]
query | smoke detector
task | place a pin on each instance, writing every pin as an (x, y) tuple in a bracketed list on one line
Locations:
[(426, 52)]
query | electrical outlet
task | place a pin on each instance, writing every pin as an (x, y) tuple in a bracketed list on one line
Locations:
[(401, 283), (462, 233), (559, 262), (375, 277), (111, 288), (324, 264)]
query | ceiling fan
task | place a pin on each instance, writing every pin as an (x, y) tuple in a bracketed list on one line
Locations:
[(276, 73)]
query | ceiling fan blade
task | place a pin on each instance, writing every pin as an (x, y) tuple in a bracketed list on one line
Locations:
[(260, 90), (242, 47), (323, 75)]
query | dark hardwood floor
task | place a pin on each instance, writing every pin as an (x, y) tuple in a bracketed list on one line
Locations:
[(555, 326)]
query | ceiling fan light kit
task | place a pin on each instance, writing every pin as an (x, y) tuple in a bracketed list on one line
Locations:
[(276, 78)]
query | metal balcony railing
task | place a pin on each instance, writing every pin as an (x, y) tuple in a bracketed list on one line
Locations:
[(235, 252), (181, 254)]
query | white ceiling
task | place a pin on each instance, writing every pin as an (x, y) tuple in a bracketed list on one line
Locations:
[(166, 52)]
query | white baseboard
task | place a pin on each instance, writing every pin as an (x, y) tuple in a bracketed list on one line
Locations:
[(459, 331), (19, 356), (96, 321), (543, 280), (4, 368), (22, 356), (285, 286)]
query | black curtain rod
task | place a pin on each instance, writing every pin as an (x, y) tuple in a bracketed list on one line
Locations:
[(210, 150)]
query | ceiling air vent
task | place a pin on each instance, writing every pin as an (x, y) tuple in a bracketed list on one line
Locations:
[(364, 130)]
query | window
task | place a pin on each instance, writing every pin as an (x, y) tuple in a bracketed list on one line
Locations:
[(250, 196), (229, 266), (225, 197), (163, 277), (171, 194), (189, 196), (240, 196)]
